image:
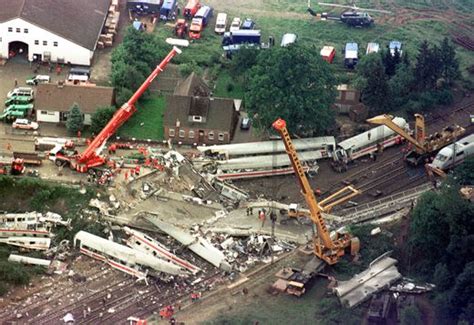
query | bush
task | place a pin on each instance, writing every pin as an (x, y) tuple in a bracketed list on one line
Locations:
[(123, 95), (185, 69), (229, 87), (100, 118), (13, 273)]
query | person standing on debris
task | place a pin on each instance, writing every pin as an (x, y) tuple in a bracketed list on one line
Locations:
[(9, 146), (16, 82), (262, 217)]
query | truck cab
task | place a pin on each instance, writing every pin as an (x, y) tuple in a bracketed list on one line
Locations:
[(205, 13)]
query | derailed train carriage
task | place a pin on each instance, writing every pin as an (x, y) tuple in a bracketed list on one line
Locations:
[(123, 258)]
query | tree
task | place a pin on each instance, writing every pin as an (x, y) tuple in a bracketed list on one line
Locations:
[(449, 62), (410, 316), (391, 61), (123, 95), (244, 59), (442, 277), (373, 83), (294, 84), (101, 117), (462, 295), (427, 67), (75, 120), (464, 173), (401, 85)]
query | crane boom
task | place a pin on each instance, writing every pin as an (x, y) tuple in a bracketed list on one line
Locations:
[(325, 247), (91, 156), (387, 121), (306, 189)]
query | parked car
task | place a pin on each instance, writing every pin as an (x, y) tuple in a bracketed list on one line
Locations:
[(33, 81), (21, 123), (245, 124), (235, 25), (248, 24), (18, 100), (221, 23), (20, 91)]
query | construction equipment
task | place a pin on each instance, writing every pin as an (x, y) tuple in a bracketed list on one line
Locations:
[(91, 158), (181, 28), (11, 166), (424, 147), (326, 247)]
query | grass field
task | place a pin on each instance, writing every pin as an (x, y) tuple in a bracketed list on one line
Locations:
[(409, 24), (147, 122)]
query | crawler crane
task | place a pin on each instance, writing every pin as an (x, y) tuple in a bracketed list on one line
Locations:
[(326, 248), (91, 158), (423, 146)]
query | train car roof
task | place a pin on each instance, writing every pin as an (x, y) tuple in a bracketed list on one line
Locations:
[(123, 252), (266, 147), (378, 132)]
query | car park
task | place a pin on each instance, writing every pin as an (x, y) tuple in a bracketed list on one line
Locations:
[(235, 25), (33, 81), (248, 24), (25, 124)]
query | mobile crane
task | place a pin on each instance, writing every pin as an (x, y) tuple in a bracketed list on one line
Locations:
[(326, 248), (91, 158), (423, 146)]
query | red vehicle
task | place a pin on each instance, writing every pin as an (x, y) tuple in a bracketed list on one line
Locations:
[(191, 8), (196, 28), (181, 28), (91, 158), (328, 53)]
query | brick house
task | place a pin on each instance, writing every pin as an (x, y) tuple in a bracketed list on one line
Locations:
[(194, 116), (53, 101)]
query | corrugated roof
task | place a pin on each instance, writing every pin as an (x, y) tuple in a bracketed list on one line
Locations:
[(79, 21), (50, 97)]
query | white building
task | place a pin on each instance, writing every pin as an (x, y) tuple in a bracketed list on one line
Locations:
[(63, 31), (53, 102)]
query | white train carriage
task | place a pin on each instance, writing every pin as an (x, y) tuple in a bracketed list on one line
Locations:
[(22, 225), (40, 244), (454, 153), (368, 142), (321, 144), (141, 242), (123, 258)]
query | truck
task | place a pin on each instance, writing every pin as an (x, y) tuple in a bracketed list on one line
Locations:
[(29, 158), (205, 13), (196, 28), (241, 37), (168, 10), (351, 55), (191, 8), (11, 166)]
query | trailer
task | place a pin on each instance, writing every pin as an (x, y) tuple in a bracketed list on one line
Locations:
[(29, 158), (249, 36)]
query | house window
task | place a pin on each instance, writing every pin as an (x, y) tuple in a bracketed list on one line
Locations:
[(55, 43), (210, 135), (182, 133), (171, 133), (45, 43), (197, 118), (37, 42), (18, 30), (10, 29), (191, 134), (221, 136), (25, 30)]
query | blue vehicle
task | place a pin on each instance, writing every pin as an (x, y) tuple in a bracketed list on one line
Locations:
[(246, 36), (205, 13), (168, 10), (248, 24)]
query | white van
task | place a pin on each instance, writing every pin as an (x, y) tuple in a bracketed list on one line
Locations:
[(20, 91), (221, 23)]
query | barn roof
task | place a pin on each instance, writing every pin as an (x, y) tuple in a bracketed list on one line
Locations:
[(79, 21), (51, 97)]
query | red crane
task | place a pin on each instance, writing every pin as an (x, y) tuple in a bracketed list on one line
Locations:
[(91, 156)]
